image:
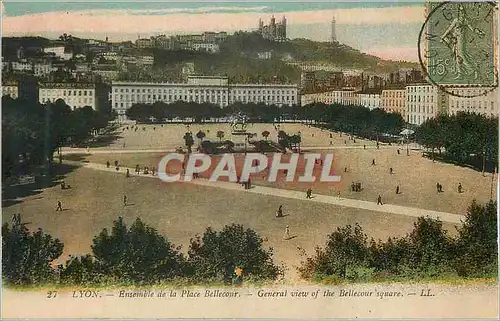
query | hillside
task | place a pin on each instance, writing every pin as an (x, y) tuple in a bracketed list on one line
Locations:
[(238, 58)]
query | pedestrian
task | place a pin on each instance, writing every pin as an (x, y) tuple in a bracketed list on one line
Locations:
[(249, 183), (338, 195), (108, 164), (14, 220), (354, 140), (437, 187), (373, 162), (345, 142), (286, 236), (123, 144), (59, 206), (358, 187), (137, 170), (399, 152), (364, 146), (460, 187), (331, 135), (308, 193), (331, 143), (153, 171), (124, 200), (128, 173), (279, 212), (353, 187), (390, 171), (379, 200), (345, 169), (397, 190)]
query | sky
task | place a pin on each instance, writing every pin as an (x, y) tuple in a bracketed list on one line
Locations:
[(385, 29)]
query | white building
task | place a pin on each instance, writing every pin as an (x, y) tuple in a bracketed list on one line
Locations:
[(424, 102), (208, 47), (43, 68), (24, 66), (345, 97), (323, 97), (10, 89), (200, 89), (481, 100), (59, 52), (370, 100), (75, 95)]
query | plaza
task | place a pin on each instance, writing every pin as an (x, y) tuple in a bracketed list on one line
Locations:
[(179, 211)]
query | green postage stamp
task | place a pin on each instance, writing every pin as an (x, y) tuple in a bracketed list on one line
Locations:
[(459, 43)]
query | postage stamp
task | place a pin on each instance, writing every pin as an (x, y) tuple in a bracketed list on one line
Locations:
[(458, 44), (249, 160)]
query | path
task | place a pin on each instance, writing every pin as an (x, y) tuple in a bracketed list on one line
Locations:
[(69, 151), (277, 192)]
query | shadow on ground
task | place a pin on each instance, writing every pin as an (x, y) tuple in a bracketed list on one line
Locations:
[(11, 194)]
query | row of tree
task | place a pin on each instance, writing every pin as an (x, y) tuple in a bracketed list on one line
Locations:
[(464, 138), (426, 252), (32, 132), (354, 119), (136, 255)]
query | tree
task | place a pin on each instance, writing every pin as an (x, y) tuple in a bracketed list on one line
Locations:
[(477, 245), (217, 254), (188, 141), (345, 251), (265, 134), (220, 135), (430, 246), (138, 254), (26, 256)]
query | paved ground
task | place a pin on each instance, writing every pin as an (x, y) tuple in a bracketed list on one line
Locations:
[(170, 136), (290, 194), (180, 210), (415, 175)]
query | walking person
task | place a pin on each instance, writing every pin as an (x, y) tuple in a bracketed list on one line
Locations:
[(364, 146), (59, 206), (379, 200), (390, 171), (373, 162), (128, 173), (459, 188), (286, 236), (397, 190), (124, 200), (308, 193), (279, 212), (108, 164)]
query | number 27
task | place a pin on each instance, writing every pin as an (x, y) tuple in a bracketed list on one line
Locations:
[(51, 294)]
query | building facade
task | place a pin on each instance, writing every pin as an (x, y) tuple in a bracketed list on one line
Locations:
[(424, 101), (199, 89), (370, 100), (10, 89), (480, 100), (75, 95), (394, 101), (345, 97), (323, 97), (59, 52)]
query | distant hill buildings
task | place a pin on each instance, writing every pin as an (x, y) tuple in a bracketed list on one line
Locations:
[(274, 31)]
